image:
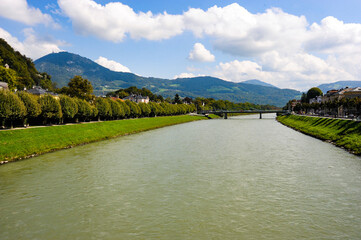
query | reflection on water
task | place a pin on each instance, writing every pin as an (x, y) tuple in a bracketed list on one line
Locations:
[(241, 178)]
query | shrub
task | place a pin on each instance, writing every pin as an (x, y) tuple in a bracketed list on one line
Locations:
[(117, 110), (145, 109), (69, 107), (104, 108), (134, 109), (50, 108), (11, 107), (33, 108), (85, 110), (126, 109)]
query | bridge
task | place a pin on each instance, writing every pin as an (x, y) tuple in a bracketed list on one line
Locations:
[(226, 112)]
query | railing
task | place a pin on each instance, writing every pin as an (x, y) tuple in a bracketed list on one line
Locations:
[(241, 111)]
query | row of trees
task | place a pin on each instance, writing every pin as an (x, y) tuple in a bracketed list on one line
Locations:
[(212, 104), (199, 102), (23, 108), (122, 93)]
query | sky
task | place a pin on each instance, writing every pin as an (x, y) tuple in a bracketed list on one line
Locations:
[(295, 44)]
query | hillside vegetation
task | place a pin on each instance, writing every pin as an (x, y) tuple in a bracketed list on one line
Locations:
[(343, 133), (338, 85), (21, 72)]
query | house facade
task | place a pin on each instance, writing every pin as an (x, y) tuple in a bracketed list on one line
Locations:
[(4, 85), (137, 98), (37, 90)]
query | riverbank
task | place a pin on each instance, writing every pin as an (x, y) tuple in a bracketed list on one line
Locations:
[(342, 133), (16, 145)]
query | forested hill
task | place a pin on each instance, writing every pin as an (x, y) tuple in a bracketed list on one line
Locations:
[(21, 71), (258, 82), (338, 85), (63, 66)]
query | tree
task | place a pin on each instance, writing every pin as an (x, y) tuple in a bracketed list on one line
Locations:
[(117, 110), (177, 99), (134, 109), (9, 76), (304, 98), (104, 108), (125, 108), (154, 109), (69, 107), (85, 110), (33, 108), (159, 98), (50, 108), (145, 109), (80, 88), (187, 100), (94, 111), (45, 81), (314, 92), (11, 107)]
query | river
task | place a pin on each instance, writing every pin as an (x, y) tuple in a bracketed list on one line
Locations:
[(241, 178)]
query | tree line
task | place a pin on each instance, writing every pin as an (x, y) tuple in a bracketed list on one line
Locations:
[(212, 104), (348, 105), (22, 108)]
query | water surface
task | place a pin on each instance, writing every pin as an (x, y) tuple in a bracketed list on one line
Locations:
[(241, 178)]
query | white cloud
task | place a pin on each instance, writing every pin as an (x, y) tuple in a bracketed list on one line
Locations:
[(115, 20), (184, 75), (200, 54), (302, 71), (239, 32), (334, 36), (188, 75), (112, 65), (20, 11), (284, 48), (33, 46)]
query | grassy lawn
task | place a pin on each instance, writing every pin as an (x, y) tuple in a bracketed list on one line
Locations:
[(343, 133), (16, 144)]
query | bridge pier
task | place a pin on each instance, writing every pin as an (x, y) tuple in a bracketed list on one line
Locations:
[(225, 116), (260, 115)]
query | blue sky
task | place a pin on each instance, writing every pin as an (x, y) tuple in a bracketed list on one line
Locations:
[(291, 44)]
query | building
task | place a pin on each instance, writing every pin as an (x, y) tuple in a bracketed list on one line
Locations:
[(353, 93), (333, 95), (337, 95), (37, 90), (317, 99), (4, 85), (137, 98)]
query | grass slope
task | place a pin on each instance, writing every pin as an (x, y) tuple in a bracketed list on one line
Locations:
[(343, 133), (17, 144)]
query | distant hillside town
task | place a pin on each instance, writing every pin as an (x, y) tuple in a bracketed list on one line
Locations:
[(341, 103)]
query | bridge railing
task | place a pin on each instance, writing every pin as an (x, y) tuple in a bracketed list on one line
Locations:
[(241, 111)]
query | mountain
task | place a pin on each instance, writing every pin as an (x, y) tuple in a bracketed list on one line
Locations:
[(18, 70), (63, 66), (338, 85), (258, 82)]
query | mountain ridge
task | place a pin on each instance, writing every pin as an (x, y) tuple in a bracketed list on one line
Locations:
[(258, 82), (63, 66), (339, 84)]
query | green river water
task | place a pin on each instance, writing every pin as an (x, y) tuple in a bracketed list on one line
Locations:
[(241, 178)]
